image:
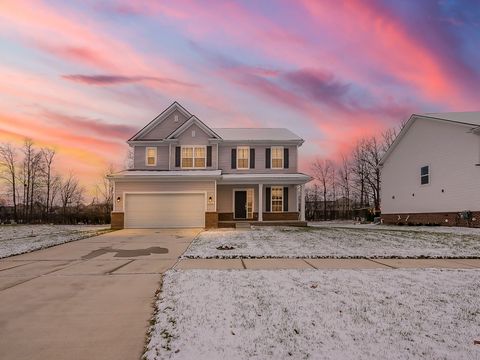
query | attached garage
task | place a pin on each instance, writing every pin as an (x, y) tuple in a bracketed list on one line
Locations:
[(164, 210)]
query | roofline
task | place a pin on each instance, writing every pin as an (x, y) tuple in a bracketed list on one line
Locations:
[(407, 126), (147, 127), (193, 119)]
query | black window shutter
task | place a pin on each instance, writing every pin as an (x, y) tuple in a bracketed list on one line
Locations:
[(252, 158), (234, 158), (209, 156), (268, 197), (286, 159), (285, 198), (177, 156), (267, 158)]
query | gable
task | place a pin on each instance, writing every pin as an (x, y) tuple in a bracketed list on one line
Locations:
[(166, 127), (193, 135), (429, 121), (164, 124), (199, 125)]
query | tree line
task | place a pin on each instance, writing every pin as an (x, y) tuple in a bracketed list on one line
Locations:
[(349, 187), (34, 192)]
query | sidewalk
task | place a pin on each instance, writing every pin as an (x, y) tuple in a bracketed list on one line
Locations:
[(275, 264)]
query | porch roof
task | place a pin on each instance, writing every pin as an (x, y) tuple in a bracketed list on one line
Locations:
[(293, 179), (166, 174)]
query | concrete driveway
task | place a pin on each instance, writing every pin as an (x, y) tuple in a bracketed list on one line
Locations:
[(88, 299)]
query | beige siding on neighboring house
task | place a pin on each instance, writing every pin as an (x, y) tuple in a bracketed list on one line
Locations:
[(139, 160), (451, 152), (122, 187), (166, 127), (225, 158)]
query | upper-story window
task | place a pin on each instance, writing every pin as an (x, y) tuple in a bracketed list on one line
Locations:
[(243, 157), (151, 156), (193, 157), (277, 157), (425, 175)]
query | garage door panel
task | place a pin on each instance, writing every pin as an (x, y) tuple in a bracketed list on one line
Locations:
[(164, 210)]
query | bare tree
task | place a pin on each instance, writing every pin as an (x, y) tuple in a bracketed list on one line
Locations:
[(359, 172), (8, 165), (322, 172), (372, 156), (344, 178), (70, 193), (105, 194), (48, 155)]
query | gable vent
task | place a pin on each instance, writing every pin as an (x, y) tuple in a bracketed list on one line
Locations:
[(175, 118)]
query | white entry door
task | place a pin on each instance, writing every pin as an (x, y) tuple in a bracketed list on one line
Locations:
[(166, 210)]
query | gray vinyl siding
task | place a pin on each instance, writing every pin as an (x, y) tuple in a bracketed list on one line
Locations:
[(122, 187), (224, 161), (139, 158), (166, 127)]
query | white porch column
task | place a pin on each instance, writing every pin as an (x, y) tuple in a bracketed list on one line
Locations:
[(260, 202), (302, 202)]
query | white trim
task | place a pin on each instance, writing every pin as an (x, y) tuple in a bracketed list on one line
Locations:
[(169, 156), (186, 125), (125, 193), (271, 198), (155, 157), (216, 200), (302, 203), (271, 157), (248, 157), (193, 156), (246, 202), (260, 202), (216, 166)]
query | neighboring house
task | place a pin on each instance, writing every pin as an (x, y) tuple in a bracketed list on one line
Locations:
[(186, 174), (431, 173)]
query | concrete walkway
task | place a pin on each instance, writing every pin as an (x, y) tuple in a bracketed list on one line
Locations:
[(275, 264), (88, 299)]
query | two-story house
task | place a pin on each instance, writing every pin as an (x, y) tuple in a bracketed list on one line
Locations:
[(186, 174)]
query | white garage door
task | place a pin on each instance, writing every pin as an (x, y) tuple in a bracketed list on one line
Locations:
[(164, 210)]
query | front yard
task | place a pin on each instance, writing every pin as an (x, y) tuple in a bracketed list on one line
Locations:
[(337, 242), (19, 239), (301, 314)]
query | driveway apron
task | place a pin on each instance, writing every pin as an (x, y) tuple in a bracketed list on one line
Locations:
[(88, 299)]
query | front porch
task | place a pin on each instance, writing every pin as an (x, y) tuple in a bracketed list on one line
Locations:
[(263, 203)]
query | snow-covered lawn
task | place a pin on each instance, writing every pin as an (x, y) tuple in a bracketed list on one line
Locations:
[(336, 242), (314, 314), (19, 239)]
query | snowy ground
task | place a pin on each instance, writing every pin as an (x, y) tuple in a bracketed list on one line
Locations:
[(430, 229), (314, 314), (337, 242), (18, 239)]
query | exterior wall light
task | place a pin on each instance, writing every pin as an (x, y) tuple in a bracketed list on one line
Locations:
[(210, 199), (118, 199)]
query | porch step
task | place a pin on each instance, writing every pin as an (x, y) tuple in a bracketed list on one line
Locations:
[(243, 225)]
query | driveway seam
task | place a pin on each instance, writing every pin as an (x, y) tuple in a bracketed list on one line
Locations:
[(243, 264), (310, 264), (378, 262), (119, 267)]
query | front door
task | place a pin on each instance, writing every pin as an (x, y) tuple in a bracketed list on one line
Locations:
[(240, 204)]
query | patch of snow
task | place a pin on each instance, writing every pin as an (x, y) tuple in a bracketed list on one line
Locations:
[(430, 229), (19, 239), (317, 314), (334, 242)]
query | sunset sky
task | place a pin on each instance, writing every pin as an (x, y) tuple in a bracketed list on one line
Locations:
[(84, 76)]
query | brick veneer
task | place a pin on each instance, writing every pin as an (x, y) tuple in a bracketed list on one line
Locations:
[(211, 220), (117, 221), (443, 218), (268, 216)]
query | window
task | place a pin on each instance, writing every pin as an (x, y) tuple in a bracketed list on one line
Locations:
[(425, 175), (243, 157), (193, 157), (277, 157), (151, 156), (277, 199)]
